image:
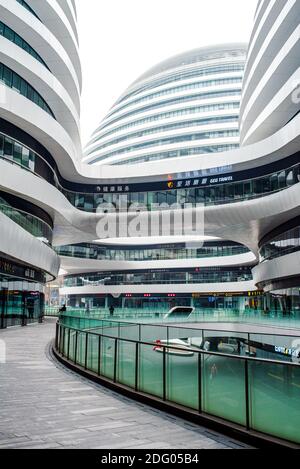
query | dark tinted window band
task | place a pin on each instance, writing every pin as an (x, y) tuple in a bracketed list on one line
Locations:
[(289, 225), (27, 207)]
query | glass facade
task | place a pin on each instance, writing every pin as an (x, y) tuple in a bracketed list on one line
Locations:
[(163, 128), (189, 86), (181, 112), (21, 302), (184, 75), (15, 152), (174, 91), (161, 303), (285, 301), (18, 84), (281, 245), (171, 141), (212, 195), (32, 224), (21, 293), (9, 34), (93, 251), (149, 277), (183, 99), (177, 153)]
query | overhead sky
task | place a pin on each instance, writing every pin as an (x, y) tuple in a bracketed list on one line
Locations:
[(121, 39)]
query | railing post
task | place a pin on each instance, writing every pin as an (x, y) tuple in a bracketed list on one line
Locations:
[(3, 307), (56, 336), (60, 337), (99, 355), (69, 340), (164, 374), (86, 350), (115, 360), (200, 383), (63, 341), (76, 346), (247, 395), (137, 350)]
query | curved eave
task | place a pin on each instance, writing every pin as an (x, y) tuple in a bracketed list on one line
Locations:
[(52, 15), (209, 288), (45, 84), (44, 43), (19, 244)]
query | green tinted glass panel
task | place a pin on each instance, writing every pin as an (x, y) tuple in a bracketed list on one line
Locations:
[(223, 388), (107, 357), (182, 380), (275, 399), (126, 363), (72, 345), (81, 348), (150, 371), (92, 355)]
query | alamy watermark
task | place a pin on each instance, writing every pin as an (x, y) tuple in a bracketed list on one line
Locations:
[(124, 220)]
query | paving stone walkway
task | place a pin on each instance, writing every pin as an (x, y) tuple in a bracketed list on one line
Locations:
[(44, 405)]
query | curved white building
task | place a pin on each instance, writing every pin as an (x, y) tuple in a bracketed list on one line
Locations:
[(186, 105), (271, 93), (271, 101), (49, 197), (40, 85)]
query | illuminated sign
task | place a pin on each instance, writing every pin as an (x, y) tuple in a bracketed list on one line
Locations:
[(255, 293), (12, 269), (284, 350)]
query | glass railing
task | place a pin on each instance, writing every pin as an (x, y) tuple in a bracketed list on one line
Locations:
[(282, 245), (144, 280), (154, 314), (33, 225), (94, 251), (211, 372)]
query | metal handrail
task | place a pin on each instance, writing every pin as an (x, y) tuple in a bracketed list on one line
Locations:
[(172, 347)]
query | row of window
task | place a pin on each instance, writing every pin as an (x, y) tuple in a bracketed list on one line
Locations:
[(171, 102), (176, 154), (212, 195), (170, 141), (9, 34), (177, 89), (148, 278), (177, 113), (284, 244), (162, 128), (158, 254), (14, 81), (200, 71), (16, 152), (33, 225)]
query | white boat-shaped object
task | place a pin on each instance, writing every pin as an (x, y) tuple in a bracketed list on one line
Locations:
[(177, 347)]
